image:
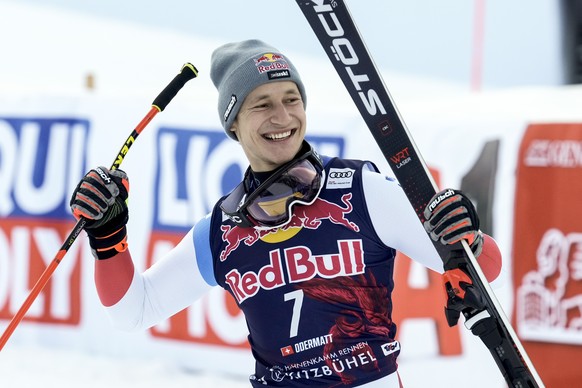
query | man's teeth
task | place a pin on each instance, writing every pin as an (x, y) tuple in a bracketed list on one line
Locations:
[(276, 136)]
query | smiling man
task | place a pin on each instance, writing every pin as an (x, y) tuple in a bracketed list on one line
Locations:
[(317, 300)]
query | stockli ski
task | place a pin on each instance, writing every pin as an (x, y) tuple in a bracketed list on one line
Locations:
[(335, 29)]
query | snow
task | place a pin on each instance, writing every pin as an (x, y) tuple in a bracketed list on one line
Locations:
[(37, 367), (32, 366)]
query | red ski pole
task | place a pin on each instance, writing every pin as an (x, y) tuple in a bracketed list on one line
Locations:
[(187, 72)]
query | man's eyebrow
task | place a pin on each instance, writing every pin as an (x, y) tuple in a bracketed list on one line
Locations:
[(290, 91)]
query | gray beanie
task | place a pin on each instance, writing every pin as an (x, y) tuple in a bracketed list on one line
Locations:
[(238, 68)]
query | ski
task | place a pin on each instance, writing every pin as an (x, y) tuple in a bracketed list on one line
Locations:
[(335, 29)]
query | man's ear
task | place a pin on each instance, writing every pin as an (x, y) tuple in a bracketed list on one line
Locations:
[(234, 126)]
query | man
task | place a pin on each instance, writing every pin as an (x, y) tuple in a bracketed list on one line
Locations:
[(318, 302)]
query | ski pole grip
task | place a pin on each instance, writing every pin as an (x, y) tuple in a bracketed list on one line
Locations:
[(186, 74)]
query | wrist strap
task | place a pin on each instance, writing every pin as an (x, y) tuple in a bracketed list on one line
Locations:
[(110, 245), (109, 239)]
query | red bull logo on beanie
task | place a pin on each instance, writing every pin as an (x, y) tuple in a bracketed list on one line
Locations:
[(269, 57), (271, 62)]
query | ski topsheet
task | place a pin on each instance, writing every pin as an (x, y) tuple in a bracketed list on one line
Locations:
[(335, 29)]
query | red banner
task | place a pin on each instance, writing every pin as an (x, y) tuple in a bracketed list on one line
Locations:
[(547, 251)]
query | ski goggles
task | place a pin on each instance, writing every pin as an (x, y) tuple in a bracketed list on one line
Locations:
[(270, 205)]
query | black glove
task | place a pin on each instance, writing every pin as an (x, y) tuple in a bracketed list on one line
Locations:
[(464, 297), (451, 217), (101, 197), (461, 295)]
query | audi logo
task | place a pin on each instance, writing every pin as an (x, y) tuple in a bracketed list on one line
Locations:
[(341, 174)]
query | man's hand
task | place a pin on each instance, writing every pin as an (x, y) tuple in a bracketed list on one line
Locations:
[(461, 294), (451, 217), (100, 197)]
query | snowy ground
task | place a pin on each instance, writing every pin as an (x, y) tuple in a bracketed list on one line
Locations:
[(37, 367), (27, 367)]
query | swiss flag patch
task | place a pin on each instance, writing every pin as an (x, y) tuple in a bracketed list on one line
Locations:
[(287, 351)]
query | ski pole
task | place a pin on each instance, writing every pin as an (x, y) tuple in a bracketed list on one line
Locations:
[(187, 72)]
